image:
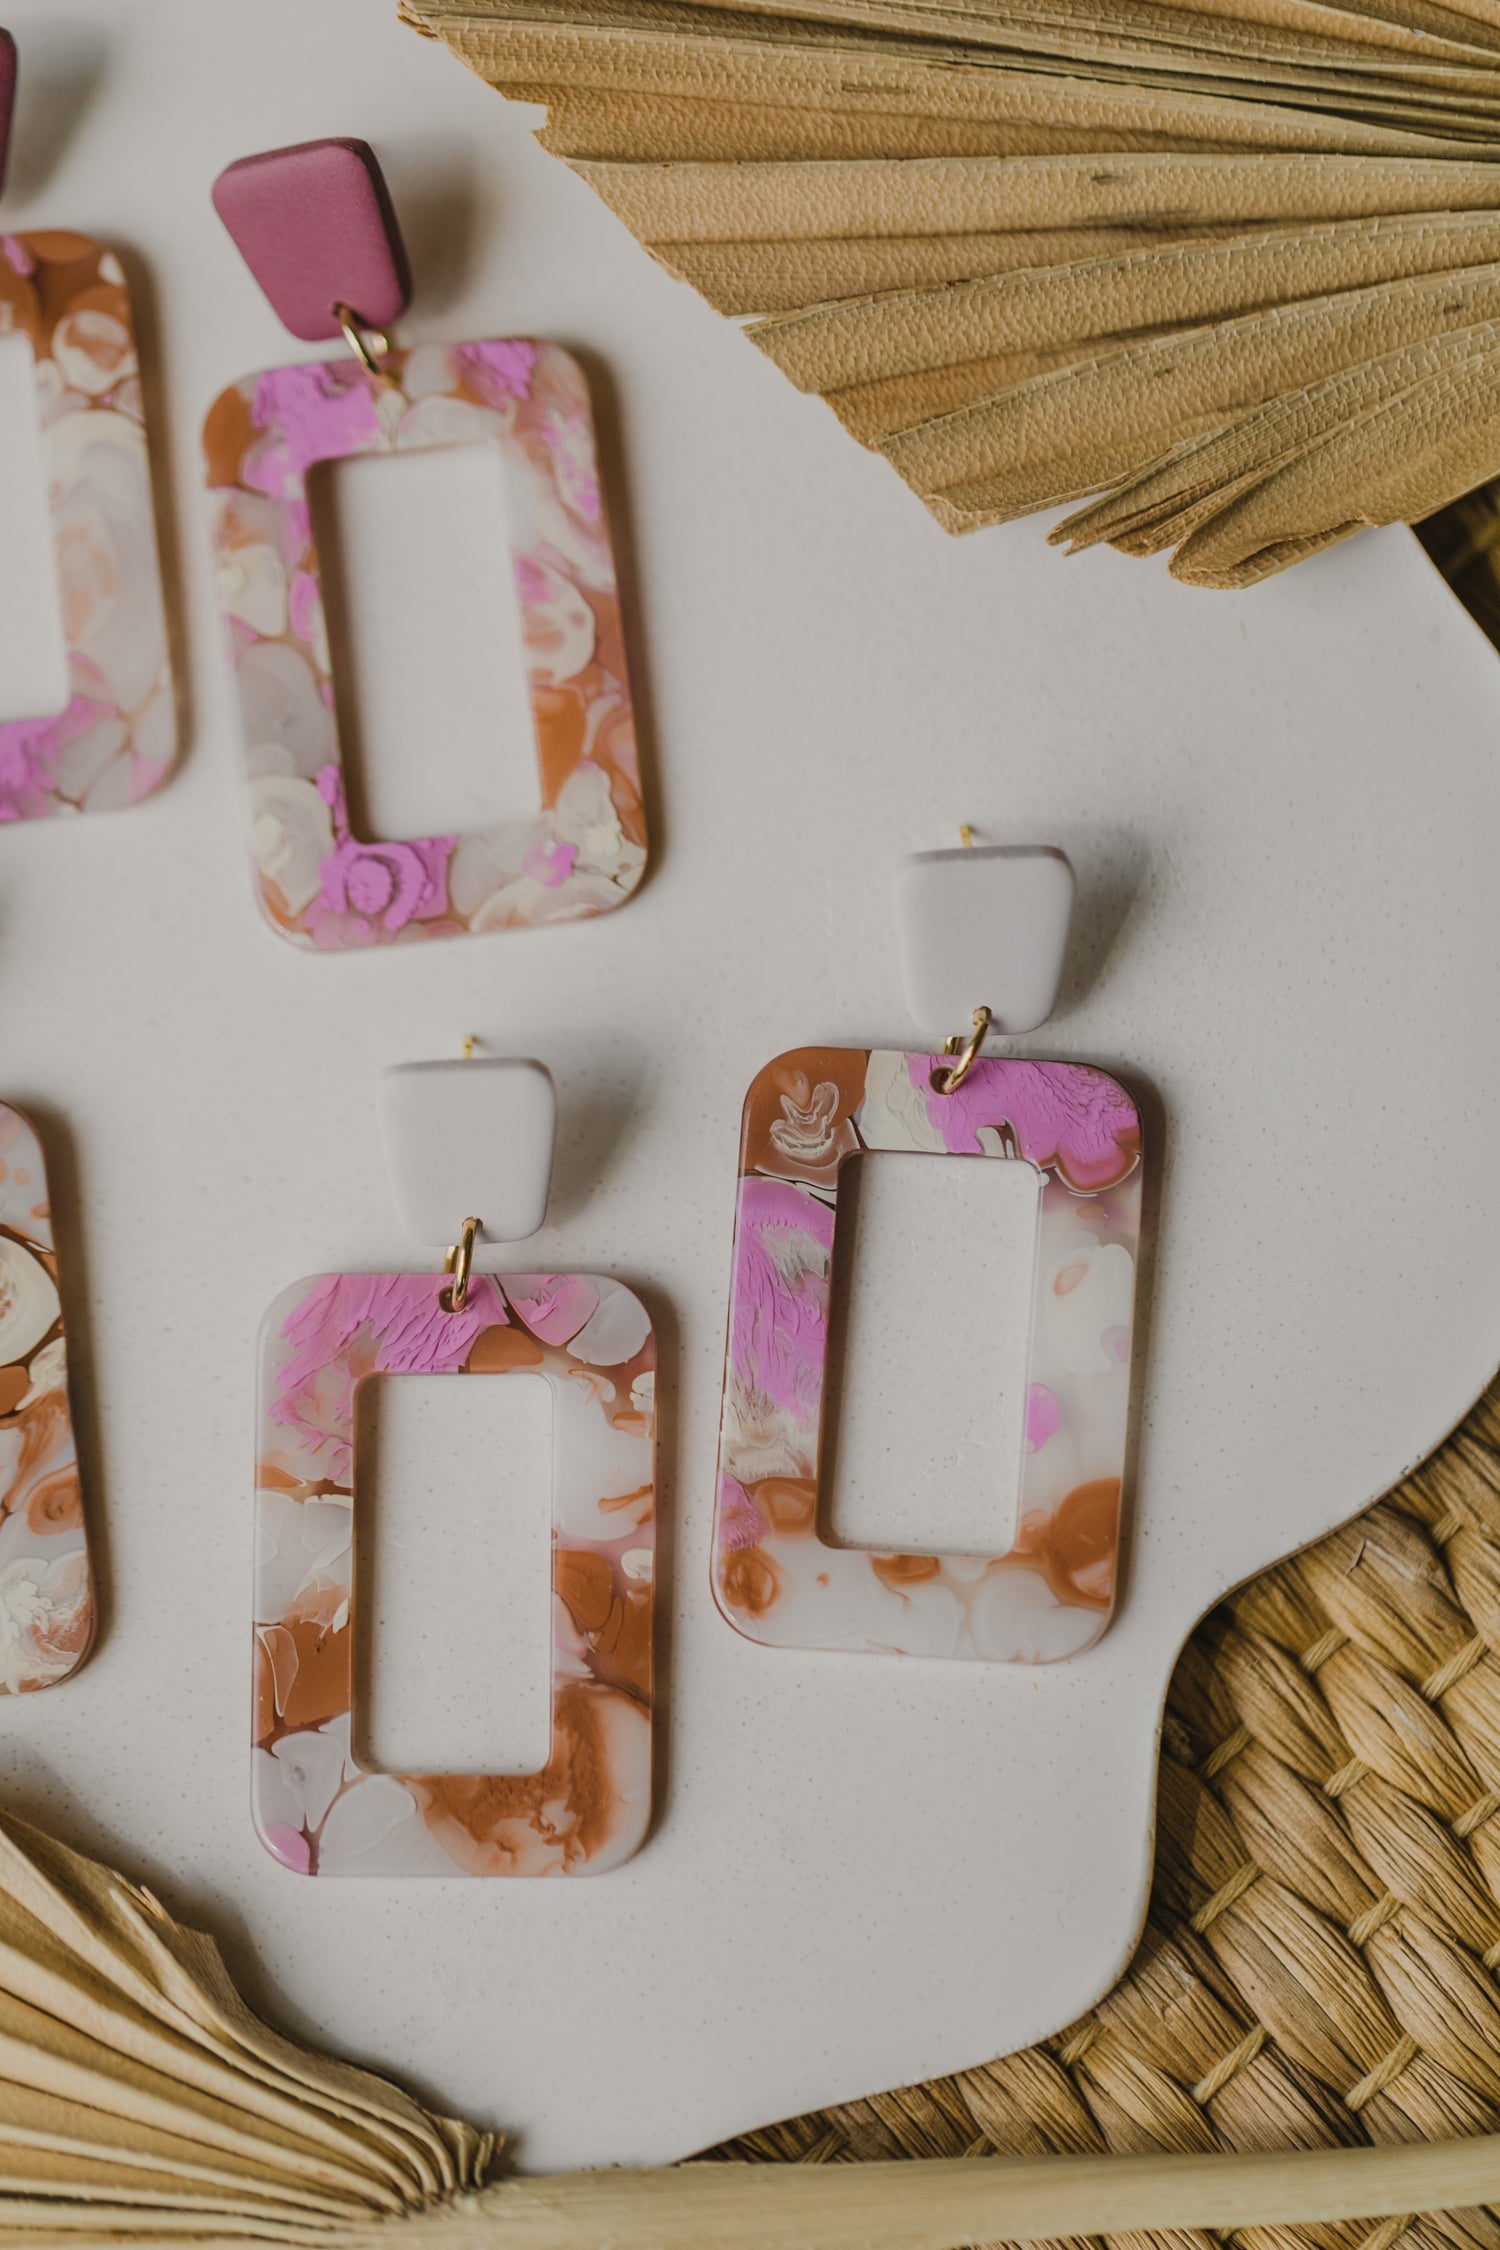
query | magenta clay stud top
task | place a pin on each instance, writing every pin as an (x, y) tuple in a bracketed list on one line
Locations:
[(316, 226)]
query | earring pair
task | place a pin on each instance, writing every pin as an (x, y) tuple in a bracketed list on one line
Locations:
[(469, 1151)]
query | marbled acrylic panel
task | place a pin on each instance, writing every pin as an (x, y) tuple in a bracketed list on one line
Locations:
[(46, 1593), (776, 1577), (315, 1808), (115, 738), (584, 849)]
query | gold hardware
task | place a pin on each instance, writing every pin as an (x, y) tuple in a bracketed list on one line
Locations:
[(966, 1051), (470, 1043), (966, 836), (458, 1261), (370, 346)]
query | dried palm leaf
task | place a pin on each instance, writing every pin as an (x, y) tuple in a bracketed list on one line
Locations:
[(140, 2098), (142, 2102), (1212, 266)]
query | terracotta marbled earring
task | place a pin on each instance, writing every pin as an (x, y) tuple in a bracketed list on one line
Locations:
[(115, 737), (316, 227), (47, 1612), (460, 1138), (973, 923)]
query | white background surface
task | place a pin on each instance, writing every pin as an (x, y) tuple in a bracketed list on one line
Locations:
[(1283, 810)]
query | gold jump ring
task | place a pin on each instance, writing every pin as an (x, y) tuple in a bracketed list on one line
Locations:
[(370, 346), (966, 1052), (459, 1262)]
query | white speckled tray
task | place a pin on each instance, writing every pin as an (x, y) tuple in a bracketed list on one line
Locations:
[(1281, 808)]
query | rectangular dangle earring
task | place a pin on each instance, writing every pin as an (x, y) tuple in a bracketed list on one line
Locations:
[(469, 1150), (47, 1611), (115, 737), (316, 227), (983, 935)]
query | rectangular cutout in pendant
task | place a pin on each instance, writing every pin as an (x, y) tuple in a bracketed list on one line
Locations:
[(931, 1312), (455, 1575), (33, 656), (425, 634)]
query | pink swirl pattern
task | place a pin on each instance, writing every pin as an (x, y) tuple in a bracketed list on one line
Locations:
[(1076, 1122), (776, 1578), (316, 1809), (583, 851), (115, 737)]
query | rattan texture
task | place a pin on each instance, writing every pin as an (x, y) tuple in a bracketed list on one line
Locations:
[(1318, 1966)]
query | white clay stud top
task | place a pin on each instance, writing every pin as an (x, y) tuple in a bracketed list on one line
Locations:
[(470, 1139), (985, 926)]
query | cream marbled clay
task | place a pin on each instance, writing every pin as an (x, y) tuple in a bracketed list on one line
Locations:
[(115, 738), (584, 850), (776, 1578), (47, 1612), (315, 1808)]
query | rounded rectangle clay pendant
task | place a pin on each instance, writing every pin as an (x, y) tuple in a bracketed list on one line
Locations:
[(47, 1611), (315, 1808), (114, 740), (776, 1578)]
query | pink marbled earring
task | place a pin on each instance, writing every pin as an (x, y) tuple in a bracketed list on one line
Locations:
[(985, 925), (115, 736), (461, 1139), (317, 229)]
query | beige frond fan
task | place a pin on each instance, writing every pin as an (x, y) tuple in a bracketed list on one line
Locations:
[(1225, 272), (141, 2102)]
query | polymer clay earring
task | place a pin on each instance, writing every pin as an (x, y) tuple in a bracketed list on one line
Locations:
[(47, 1613), (461, 1138), (115, 737), (983, 936), (317, 229)]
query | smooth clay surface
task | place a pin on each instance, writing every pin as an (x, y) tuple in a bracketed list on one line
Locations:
[(1283, 810)]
